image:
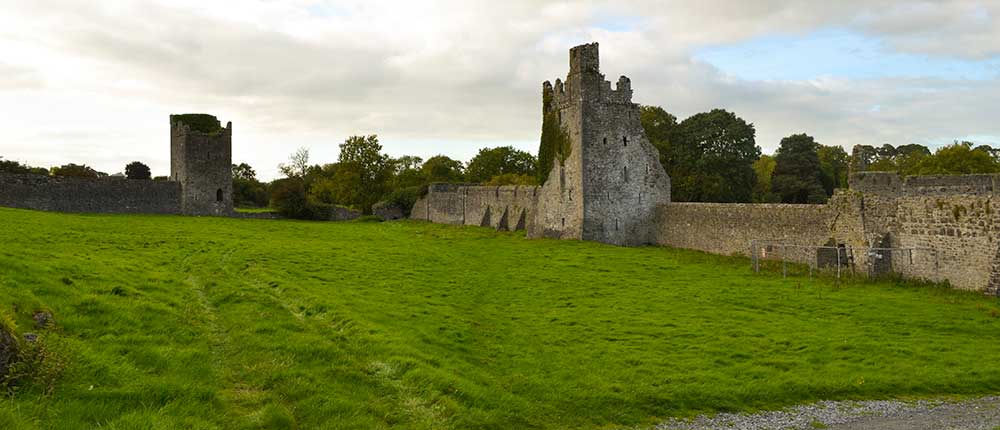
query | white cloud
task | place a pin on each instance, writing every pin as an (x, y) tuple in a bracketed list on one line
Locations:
[(94, 81)]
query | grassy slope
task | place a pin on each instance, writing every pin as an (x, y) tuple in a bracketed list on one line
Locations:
[(175, 322)]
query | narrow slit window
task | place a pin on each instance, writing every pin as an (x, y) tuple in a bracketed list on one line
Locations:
[(218, 195), (625, 173), (624, 140), (605, 141)]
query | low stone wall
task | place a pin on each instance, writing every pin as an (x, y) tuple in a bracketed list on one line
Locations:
[(503, 207), (103, 195), (728, 228)]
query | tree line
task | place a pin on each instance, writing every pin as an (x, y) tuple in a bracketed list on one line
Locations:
[(713, 157), (364, 175), (133, 170), (710, 157)]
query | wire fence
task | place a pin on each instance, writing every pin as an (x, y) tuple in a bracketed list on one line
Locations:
[(842, 260)]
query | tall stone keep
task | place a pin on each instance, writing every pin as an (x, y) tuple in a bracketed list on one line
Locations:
[(201, 156), (606, 188)]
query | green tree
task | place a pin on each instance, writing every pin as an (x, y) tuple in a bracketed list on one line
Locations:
[(659, 126), (440, 168), (247, 190), (244, 171), (554, 144), (994, 152), (512, 179), (797, 173), (75, 170), (711, 158), (498, 161), (321, 184), (298, 164), (137, 170), (763, 169), (363, 173), (288, 198), (909, 157), (957, 159), (834, 163), (407, 162), (10, 166), (904, 159)]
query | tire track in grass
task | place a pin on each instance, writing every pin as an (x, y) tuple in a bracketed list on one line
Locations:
[(241, 399), (252, 403), (343, 334)]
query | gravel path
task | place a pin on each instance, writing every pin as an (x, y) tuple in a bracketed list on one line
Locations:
[(976, 414)]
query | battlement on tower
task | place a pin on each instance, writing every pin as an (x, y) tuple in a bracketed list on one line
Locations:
[(585, 81)]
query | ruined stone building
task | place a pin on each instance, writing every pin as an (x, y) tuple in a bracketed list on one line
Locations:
[(606, 188), (200, 179), (201, 159), (611, 188)]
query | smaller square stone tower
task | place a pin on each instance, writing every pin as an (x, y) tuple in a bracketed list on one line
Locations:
[(201, 158)]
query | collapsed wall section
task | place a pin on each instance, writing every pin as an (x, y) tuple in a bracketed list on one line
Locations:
[(87, 195)]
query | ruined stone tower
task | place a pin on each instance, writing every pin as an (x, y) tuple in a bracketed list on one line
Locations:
[(606, 188), (201, 161)]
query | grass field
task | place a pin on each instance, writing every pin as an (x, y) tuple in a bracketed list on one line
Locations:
[(177, 322)]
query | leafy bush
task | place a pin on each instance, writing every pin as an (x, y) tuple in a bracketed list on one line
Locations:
[(8, 346), (201, 122), (405, 198), (75, 170), (289, 198), (39, 365), (512, 179), (137, 170)]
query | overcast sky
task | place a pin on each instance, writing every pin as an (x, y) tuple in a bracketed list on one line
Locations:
[(94, 81)]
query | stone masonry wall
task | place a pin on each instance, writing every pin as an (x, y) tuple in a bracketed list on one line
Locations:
[(104, 195), (202, 164), (961, 229), (506, 208), (728, 228), (609, 185)]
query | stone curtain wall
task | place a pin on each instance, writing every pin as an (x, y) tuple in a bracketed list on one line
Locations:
[(890, 184), (963, 231), (105, 195), (503, 208), (728, 228)]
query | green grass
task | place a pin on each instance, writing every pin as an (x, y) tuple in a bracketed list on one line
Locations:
[(181, 322), (254, 210)]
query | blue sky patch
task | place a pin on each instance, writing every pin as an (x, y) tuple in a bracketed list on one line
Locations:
[(837, 53)]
